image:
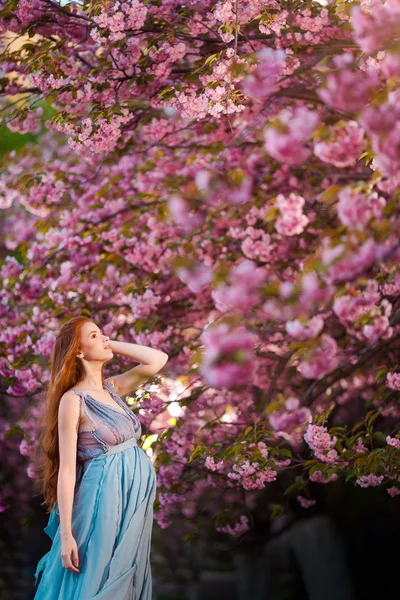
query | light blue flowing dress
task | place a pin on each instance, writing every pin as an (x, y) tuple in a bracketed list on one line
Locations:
[(112, 512)]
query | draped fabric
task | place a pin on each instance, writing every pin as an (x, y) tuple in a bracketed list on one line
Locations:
[(112, 514)]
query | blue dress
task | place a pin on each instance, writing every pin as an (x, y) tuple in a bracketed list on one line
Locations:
[(112, 512)]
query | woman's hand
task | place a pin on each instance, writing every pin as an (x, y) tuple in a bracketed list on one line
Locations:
[(69, 552)]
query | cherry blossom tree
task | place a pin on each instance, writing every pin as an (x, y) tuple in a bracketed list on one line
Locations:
[(219, 180)]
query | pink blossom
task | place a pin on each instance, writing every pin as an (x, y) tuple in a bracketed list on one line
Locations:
[(29, 11), (375, 24), (262, 81), (25, 123), (98, 137), (286, 142), (359, 448), (349, 308), (355, 209), (304, 331), (391, 65), (393, 491), (251, 476), (263, 449), (239, 529), (344, 145), (319, 477), (305, 502), (228, 358), (322, 359), (356, 262), (196, 277), (25, 448), (293, 416), (382, 123), (291, 220), (393, 381), (346, 89), (118, 18), (31, 471), (241, 290), (10, 268), (180, 211), (319, 440), (379, 328), (391, 441), (369, 480), (223, 11), (212, 465)]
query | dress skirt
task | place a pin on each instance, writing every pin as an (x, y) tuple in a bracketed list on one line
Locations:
[(112, 519)]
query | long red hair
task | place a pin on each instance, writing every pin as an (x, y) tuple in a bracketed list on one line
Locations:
[(66, 371)]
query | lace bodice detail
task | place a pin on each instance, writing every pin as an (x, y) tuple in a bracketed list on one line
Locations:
[(110, 426)]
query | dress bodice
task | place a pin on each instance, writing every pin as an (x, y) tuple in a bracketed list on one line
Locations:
[(110, 426)]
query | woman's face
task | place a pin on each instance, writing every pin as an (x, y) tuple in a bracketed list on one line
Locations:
[(94, 344)]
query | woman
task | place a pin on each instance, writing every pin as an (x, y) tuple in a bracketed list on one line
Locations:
[(98, 484)]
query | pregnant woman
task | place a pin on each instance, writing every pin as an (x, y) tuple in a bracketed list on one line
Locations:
[(98, 484)]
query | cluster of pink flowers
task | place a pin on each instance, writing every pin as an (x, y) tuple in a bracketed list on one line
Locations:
[(225, 11), (196, 277), (27, 123), (165, 57), (214, 466), (291, 221), (188, 220), (118, 18), (394, 442), (369, 480), (360, 447), (319, 477), (391, 65), (241, 290), (344, 145), (381, 123), (355, 209), (348, 308), (262, 447), (393, 381), (220, 98), (322, 359), (214, 100), (311, 24), (286, 141), (305, 331), (292, 416), (375, 23), (228, 358), (262, 81), (101, 136), (305, 502), (241, 527), (10, 268), (251, 476), (393, 491), (29, 11), (379, 328), (357, 261), (49, 82), (319, 440), (151, 405), (275, 25), (347, 89), (26, 447)]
